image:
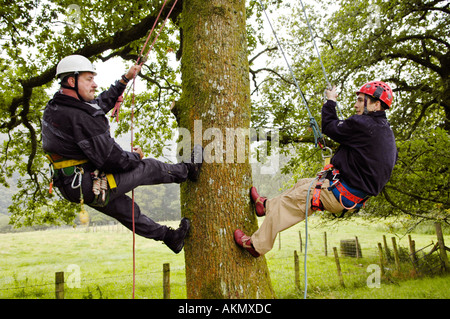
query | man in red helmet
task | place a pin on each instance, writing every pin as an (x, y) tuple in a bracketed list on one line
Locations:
[(360, 168)]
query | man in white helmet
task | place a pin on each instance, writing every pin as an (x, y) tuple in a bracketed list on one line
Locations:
[(76, 74), (90, 167)]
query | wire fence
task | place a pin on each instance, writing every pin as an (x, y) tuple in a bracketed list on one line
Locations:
[(331, 263), (334, 262)]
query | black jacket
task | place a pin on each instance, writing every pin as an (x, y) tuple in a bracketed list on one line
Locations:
[(79, 130), (367, 152)]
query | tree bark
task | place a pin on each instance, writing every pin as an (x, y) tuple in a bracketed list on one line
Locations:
[(216, 101)]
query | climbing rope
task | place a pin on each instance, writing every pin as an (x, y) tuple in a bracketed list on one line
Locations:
[(305, 270), (320, 58), (115, 114), (318, 137)]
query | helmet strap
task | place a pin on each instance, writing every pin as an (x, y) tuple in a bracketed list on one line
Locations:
[(74, 88), (366, 111)]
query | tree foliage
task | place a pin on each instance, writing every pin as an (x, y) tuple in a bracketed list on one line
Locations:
[(420, 184), (35, 35), (405, 43)]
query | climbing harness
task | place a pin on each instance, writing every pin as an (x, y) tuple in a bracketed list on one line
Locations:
[(70, 167), (316, 204), (346, 194), (329, 86), (349, 198)]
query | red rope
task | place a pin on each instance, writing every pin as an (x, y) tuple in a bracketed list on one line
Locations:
[(132, 195), (151, 31), (159, 32), (116, 113)]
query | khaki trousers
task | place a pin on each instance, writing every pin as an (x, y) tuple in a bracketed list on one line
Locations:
[(288, 209)]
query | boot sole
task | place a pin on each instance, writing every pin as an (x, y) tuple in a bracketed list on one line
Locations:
[(180, 247)]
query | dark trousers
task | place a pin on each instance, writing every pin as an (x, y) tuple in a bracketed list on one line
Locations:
[(149, 172)]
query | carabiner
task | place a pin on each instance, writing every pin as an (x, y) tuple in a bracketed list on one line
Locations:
[(327, 158), (78, 176)]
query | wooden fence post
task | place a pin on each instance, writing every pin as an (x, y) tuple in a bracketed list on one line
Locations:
[(338, 266), (386, 249), (412, 251), (166, 281), (301, 241), (297, 271), (325, 243), (59, 285), (442, 248), (357, 247), (380, 253), (397, 259)]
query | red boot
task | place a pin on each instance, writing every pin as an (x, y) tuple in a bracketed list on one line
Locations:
[(259, 202), (245, 242)]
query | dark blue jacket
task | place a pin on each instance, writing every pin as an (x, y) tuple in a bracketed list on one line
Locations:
[(367, 152), (80, 130)]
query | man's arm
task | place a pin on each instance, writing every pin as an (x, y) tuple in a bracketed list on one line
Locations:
[(107, 99), (341, 131), (107, 155)]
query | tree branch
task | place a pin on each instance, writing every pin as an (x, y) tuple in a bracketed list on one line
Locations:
[(118, 40), (415, 58), (404, 211), (415, 196), (260, 53)]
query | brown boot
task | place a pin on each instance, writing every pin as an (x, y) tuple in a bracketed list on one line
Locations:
[(245, 242), (259, 202)]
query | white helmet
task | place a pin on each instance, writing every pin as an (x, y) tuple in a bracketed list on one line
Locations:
[(74, 64)]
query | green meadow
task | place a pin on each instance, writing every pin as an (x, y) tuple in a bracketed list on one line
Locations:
[(97, 262)]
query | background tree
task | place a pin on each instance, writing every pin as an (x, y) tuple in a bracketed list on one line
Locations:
[(215, 79), (406, 44)]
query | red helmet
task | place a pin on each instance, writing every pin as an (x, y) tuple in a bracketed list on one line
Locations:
[(378, 90)]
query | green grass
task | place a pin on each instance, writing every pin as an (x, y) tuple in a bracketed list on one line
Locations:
[(323, 281), (423, 288), (104, 259), (29, 261)]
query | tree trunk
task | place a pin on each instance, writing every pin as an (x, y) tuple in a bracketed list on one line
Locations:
[(215, 102), (445, 103)]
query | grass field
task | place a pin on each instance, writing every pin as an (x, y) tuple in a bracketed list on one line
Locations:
[(103, 261)]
